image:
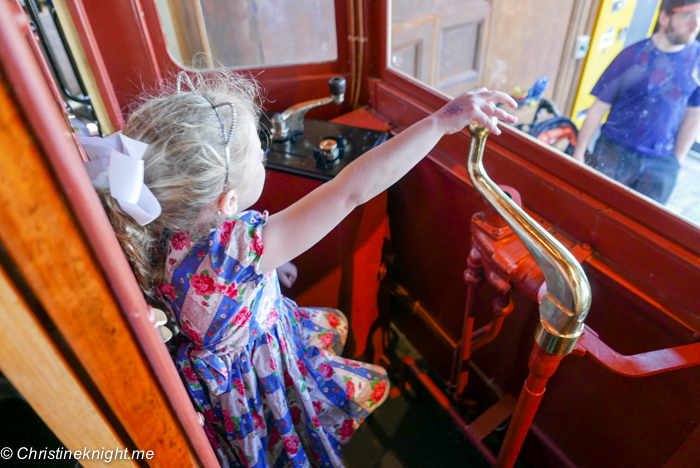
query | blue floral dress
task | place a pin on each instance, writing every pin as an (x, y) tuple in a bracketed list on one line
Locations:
[(265, 373)]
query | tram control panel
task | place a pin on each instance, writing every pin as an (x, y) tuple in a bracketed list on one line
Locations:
[(315, 148), (322, 150)]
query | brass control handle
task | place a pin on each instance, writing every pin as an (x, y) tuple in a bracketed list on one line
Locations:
[(291, 121), (565, 305)]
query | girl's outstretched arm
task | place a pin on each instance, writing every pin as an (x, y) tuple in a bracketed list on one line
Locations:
[(294, 230)]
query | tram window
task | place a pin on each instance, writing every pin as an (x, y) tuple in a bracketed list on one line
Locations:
[(454, 46), (243, 34)]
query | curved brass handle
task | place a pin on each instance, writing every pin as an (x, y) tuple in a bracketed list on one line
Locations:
[(568, 297)]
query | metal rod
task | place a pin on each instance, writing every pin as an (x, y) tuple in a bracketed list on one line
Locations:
[(568, 298), (502, 307), (473, 277), (564, 306), (542, 366)]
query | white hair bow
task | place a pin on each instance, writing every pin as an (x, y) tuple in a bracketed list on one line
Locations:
[(116, 163)]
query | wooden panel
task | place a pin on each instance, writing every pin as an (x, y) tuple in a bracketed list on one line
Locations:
[(341, 270), (125, 45), (406, 58), (526, 42), (190, 32), (412, 50), (405, 11), (459, 50), (458, 60), (440, 43), (688, 453), (36, 368)]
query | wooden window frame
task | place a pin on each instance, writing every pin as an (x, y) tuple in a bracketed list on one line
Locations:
[(140, 58)]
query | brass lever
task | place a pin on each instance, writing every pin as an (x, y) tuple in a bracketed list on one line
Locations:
[(566, 303)]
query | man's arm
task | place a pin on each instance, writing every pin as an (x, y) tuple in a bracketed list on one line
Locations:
[(688, 132), (593, 118)]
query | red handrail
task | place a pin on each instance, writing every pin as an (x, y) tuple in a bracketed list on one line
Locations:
[(638, 365)]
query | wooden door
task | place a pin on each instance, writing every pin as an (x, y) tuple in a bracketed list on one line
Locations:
[(440, 43), (533, 38)]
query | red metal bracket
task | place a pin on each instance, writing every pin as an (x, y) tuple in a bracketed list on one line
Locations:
[(638, 365)]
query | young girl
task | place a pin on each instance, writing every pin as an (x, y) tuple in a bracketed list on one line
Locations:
[(266, 374)]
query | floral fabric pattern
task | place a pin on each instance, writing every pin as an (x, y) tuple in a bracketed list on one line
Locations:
[(265, 373)]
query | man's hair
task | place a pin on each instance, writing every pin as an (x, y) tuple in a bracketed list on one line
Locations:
[(676, 6)]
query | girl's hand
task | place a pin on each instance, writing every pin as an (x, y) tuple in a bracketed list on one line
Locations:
[(287, 274), (479, 105)]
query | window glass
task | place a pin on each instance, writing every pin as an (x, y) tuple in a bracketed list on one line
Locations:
[(248, 34), (558, 50)]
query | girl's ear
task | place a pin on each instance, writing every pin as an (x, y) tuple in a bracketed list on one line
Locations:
[(228, 203)]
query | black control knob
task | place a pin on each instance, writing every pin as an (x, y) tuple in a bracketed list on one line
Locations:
[(320, 160), (337, 85)]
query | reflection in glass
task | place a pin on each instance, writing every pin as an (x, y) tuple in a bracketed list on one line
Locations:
[(654, 107), (506, 45), (439, 42), (249, 34)]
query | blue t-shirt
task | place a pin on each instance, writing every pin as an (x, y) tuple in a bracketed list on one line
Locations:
[(649, 91)]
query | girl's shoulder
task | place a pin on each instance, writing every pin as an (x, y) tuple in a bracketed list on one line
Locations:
[(252, 218), (239, 238), (222, 260)]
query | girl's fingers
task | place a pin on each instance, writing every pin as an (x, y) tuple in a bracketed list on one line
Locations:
[(498, 96), (480, 105), (503, 115), (487, 122)]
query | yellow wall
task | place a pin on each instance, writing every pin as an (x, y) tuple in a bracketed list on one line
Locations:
[(606, 32)]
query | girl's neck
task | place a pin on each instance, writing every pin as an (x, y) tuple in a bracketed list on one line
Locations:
[(208, 218)]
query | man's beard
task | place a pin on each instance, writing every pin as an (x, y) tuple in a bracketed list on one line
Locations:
[(676, 38)]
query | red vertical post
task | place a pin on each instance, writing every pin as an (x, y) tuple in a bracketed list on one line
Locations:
[(542, 366), (472, 276)]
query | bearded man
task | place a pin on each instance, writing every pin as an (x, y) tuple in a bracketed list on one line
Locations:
[(652, 92)]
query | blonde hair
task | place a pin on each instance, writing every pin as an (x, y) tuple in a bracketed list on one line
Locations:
[(185, 165)]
